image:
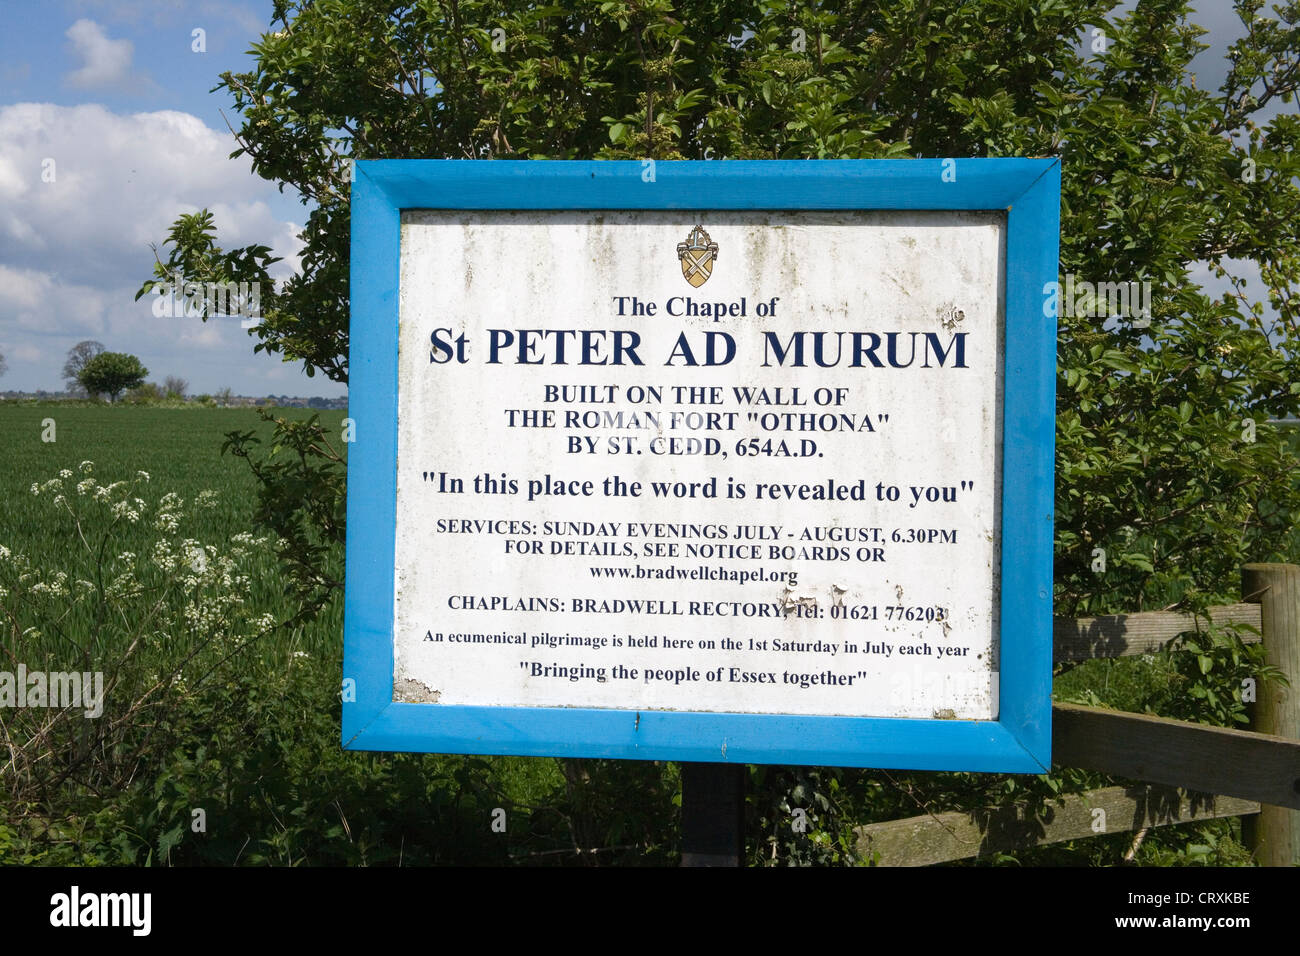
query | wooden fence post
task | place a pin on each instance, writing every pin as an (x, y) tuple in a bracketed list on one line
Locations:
[(1274, 835)]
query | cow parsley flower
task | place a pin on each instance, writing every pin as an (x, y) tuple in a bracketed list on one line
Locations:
[(123, 509)]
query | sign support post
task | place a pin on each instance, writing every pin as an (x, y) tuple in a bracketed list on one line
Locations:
[(713, 814)]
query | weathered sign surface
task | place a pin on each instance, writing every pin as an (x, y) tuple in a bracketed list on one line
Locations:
[(640, 474), (733, 461)]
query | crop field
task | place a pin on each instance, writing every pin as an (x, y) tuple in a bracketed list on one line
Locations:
[(179, 449)]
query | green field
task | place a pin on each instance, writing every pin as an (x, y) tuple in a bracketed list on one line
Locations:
[(180, 450)]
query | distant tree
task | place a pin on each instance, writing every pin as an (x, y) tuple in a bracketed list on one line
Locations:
[(223, 397), (111, 373), (78, 356), (175, 387), (3, 367)]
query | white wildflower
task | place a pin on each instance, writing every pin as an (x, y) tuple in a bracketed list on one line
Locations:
[(163, 556), (52, 588), (87, 467), (142, 475), (65, 473)]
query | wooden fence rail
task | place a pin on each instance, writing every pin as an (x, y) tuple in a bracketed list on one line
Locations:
[(1127, 635), (1199, 757), (943, 837)]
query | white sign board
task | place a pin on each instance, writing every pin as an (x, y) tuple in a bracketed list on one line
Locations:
[(729, 461)]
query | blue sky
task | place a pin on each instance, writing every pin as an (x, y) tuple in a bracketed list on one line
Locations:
[(114, 94)]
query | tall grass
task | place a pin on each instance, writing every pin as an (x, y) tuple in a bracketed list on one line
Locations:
[(179, 449), (106, 570)]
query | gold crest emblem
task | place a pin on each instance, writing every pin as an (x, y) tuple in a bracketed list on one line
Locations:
[(697, 255)]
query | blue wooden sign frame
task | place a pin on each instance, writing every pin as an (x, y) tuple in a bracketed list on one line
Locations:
[(1028, 190)]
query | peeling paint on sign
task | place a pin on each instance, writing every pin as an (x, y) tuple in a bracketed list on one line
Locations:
[(411, 691)]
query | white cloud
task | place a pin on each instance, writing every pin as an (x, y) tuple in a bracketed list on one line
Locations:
[(23, 289), (119, 182), (74, 251), (24, 353), (37, 304), (105, 62)]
